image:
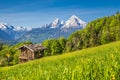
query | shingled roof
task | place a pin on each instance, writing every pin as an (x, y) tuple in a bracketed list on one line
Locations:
[(34, 47)]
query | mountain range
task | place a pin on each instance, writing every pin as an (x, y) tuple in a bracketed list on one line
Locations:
[(55, 29)]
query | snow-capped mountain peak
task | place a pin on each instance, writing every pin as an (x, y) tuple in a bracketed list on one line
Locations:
[(62, 22), (4, 26), (22, 29), (55, 23), (74, 22), (13, 32), (73, 17)]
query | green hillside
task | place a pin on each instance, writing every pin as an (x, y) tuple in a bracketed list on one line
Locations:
[(98, 32), (97, 63)]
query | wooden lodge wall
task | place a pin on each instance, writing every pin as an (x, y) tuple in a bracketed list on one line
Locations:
[(26, 54)]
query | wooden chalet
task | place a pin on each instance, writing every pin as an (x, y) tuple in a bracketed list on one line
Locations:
[(30, 52)]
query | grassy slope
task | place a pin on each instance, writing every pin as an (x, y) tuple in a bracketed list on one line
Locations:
[(102, 63)]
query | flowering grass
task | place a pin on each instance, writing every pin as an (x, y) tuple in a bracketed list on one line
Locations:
[(97, 63)]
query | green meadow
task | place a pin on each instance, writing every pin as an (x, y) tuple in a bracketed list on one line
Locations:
[(97, 63)]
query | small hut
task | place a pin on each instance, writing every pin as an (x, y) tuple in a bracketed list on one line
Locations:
[(30, 52)]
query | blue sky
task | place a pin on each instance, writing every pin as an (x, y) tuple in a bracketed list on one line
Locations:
[(35, 13)]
